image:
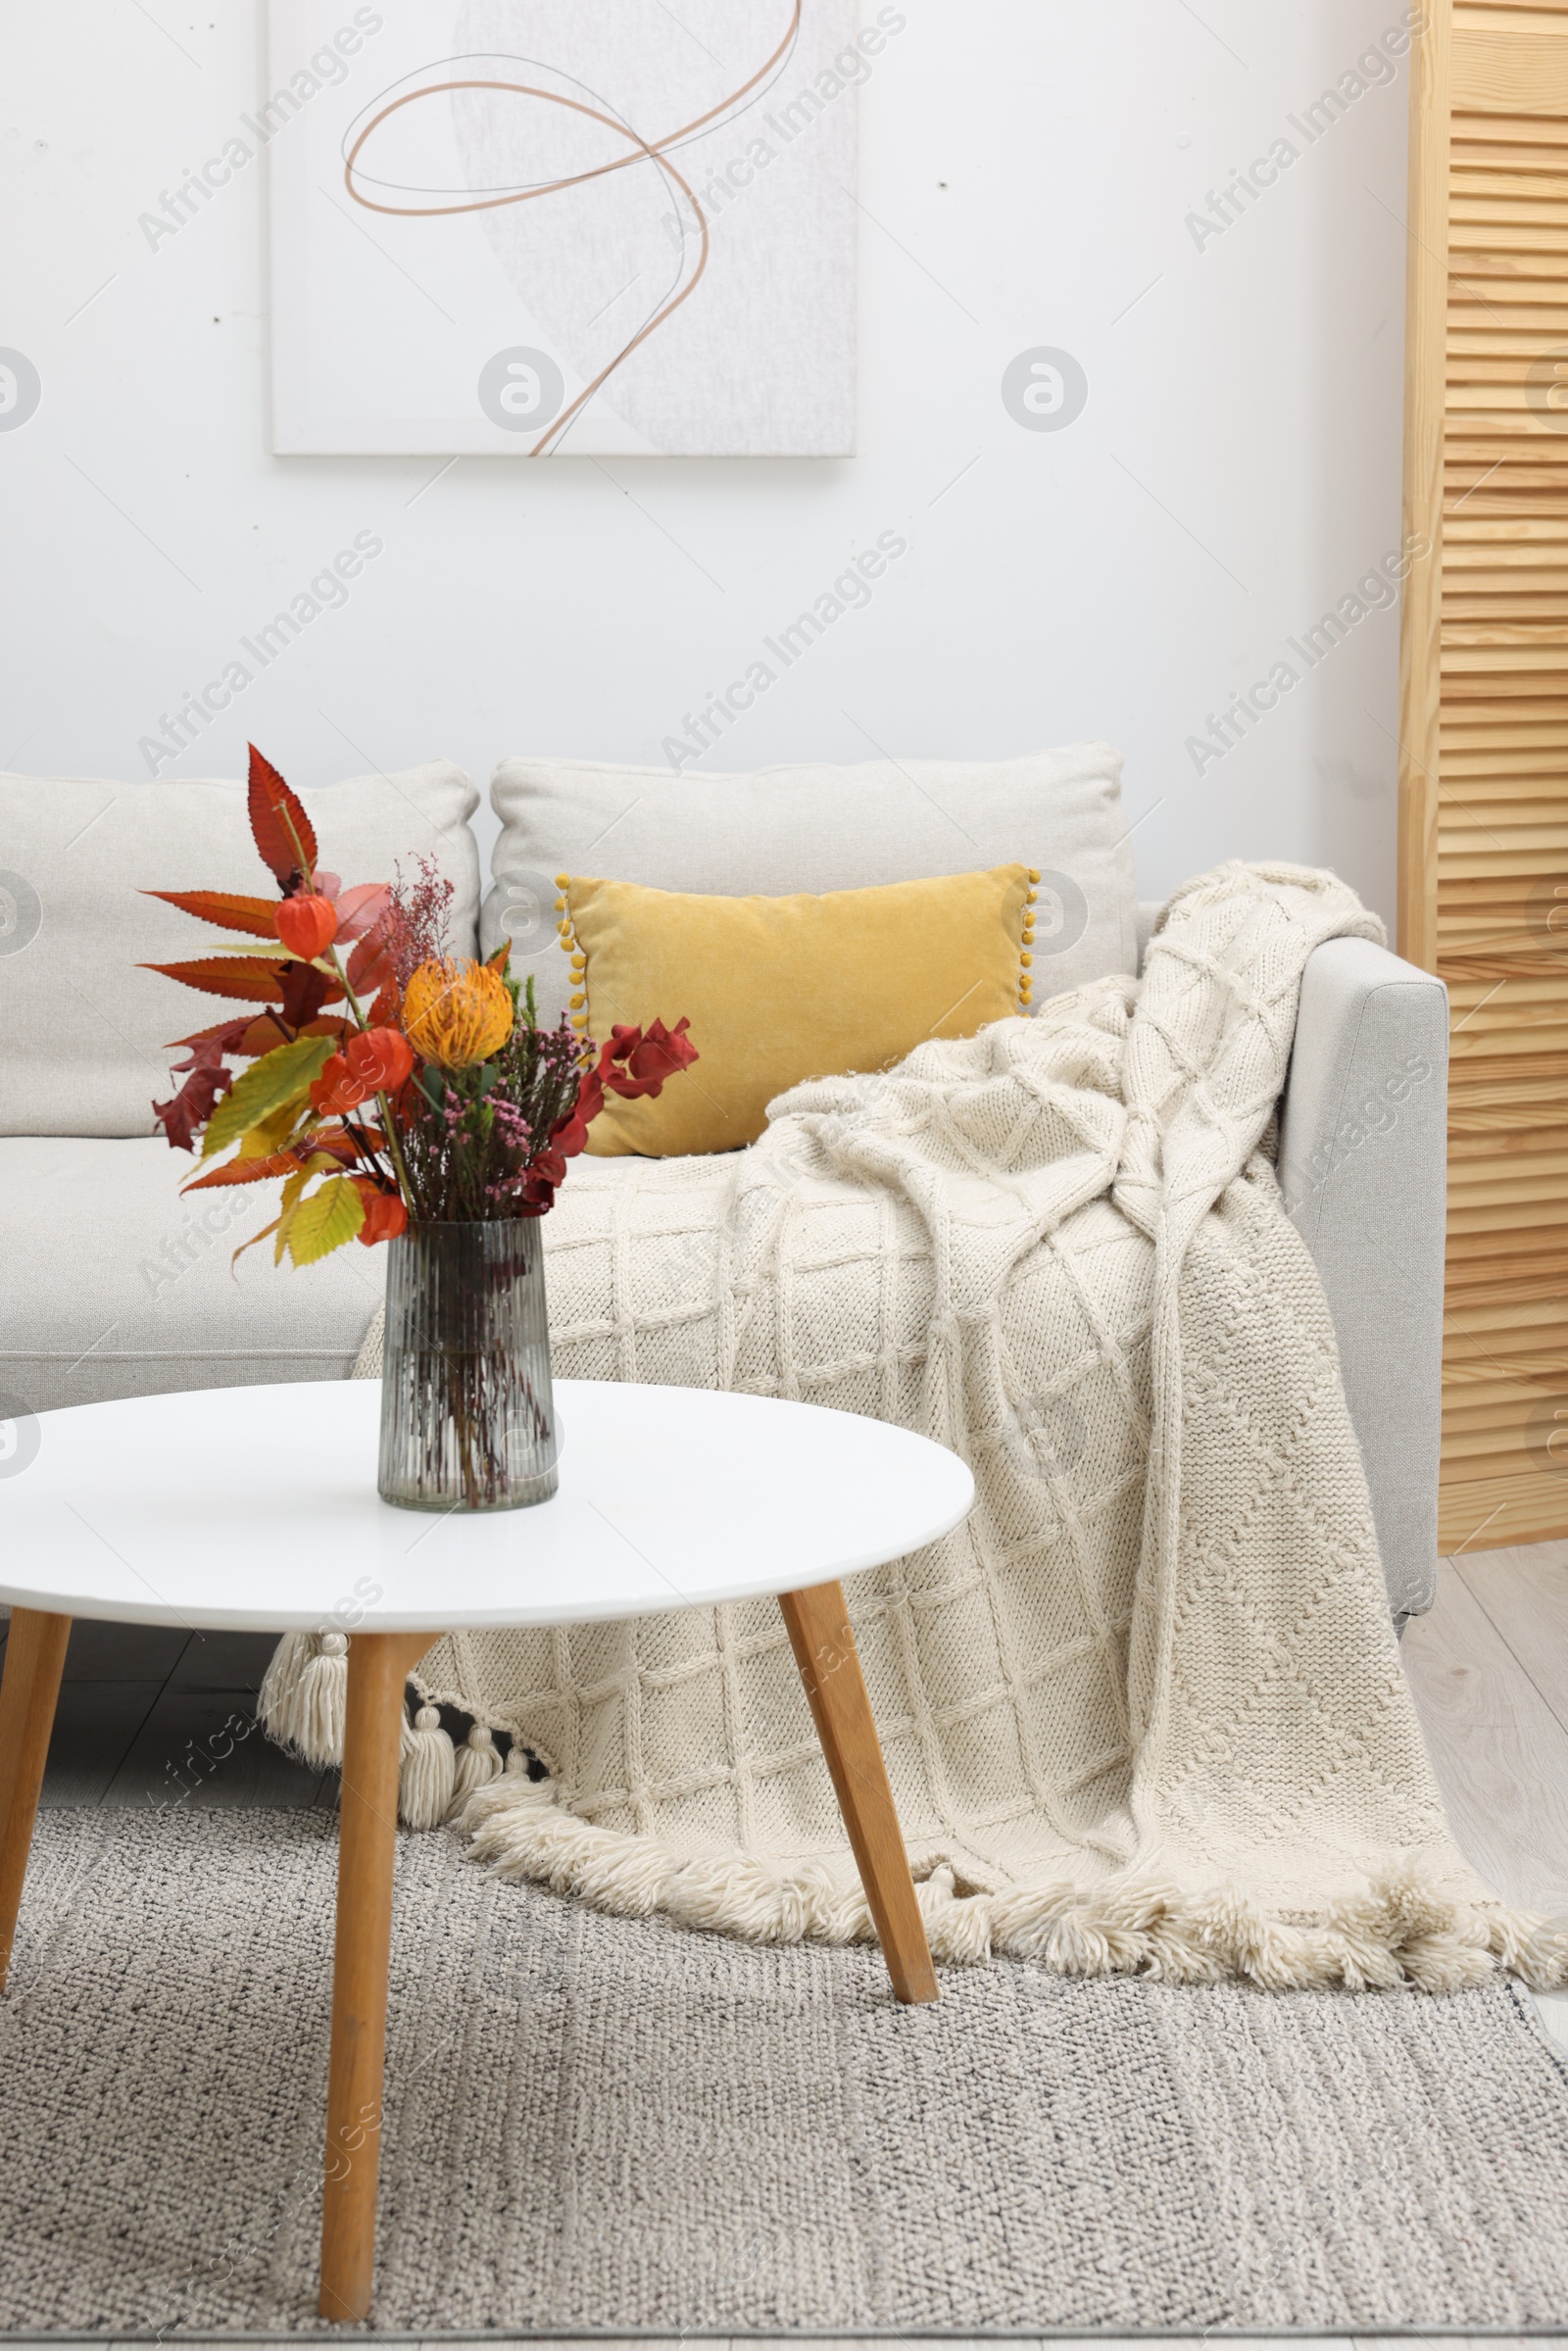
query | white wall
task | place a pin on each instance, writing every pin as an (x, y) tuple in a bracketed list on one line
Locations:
[(1027, 168)]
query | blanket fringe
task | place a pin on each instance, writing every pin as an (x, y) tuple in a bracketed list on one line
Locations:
[(1400, 1931), (1403, 1931), (428, 1779), (304, 1704), (304, 1695), (478, 1763)]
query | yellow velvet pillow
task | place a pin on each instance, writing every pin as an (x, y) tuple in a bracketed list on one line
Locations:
[(782, 989)]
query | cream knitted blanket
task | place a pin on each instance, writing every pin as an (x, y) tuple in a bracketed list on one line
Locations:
[(1144, 1710)]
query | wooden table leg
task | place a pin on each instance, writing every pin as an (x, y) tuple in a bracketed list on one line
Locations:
[(36, 1659), (819, 1625), (372, 1744)]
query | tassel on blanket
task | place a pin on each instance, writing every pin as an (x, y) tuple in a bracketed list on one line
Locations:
[(304, 1698), (478, 1764), (429, 1772), (281, 1679)]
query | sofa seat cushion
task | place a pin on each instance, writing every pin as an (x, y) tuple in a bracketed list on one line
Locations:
[(112, 1283)]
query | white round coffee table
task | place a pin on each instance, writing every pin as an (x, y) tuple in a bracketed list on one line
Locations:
[(256, 1508)]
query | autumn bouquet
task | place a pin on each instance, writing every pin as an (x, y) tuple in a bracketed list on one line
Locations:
[(402, 1093)]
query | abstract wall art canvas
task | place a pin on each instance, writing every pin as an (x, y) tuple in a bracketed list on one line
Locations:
[(563, 228)]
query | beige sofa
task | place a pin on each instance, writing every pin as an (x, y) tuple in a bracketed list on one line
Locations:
[(112, 1283)]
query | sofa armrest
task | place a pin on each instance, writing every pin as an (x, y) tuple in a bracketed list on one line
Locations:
[(1363, 1168)]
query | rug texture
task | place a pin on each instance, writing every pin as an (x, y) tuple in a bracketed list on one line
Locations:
[(600, 2122), (1144, 1710)]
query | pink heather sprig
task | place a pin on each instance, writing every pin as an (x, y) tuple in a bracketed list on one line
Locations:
[(416, 922), (510, 1125), (561, 1048), (515, 1135)]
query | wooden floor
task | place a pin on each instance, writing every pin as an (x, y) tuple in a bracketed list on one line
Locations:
[(152, 1718), (1490, 1671)]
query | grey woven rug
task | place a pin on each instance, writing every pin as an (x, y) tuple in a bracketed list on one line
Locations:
[(596, 2124)]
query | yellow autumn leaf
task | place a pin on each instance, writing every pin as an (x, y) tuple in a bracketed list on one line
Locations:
[(325, 1220), (293, 1186), (271, 1133), (279, 1077)]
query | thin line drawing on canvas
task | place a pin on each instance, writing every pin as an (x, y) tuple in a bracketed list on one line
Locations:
[(694, 248)]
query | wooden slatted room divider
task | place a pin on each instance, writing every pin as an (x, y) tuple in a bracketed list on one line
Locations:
[(1483, 755)]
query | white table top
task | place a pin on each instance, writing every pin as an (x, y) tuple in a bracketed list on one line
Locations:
[(256, 1509)]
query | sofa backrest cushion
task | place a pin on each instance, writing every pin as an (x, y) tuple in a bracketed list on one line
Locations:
[(816, 829), (83, 1031)]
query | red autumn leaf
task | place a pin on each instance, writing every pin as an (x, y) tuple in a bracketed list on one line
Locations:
[(651, 1055), (337, 1143), (247, 1171), (570, 1135), (206, 1081), (540, 1184), (258, 1033), (384, 1012), (281, 829), (224, 907), (359, 909), (305, 992), (244, 976), (230, 1035), (259, 1037), (369, 965)]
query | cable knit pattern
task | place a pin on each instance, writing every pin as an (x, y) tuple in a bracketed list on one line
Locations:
[(1144, 1711)]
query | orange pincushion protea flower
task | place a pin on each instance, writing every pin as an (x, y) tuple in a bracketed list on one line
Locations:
[(456, 1012)]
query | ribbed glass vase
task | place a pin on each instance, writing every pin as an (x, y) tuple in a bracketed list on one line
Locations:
[(467, 1415)]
